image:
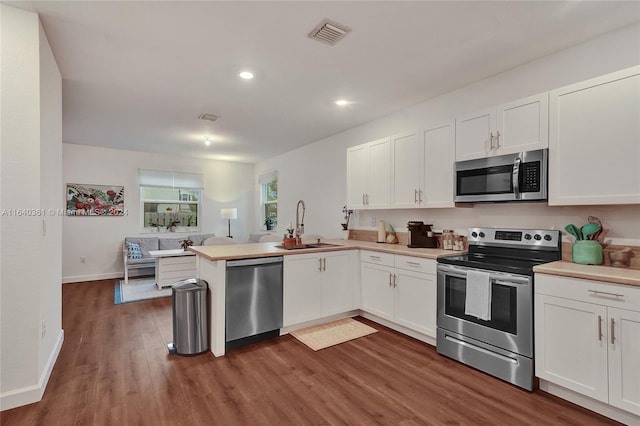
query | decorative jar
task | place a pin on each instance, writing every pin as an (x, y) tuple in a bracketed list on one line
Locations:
[(587, 252)]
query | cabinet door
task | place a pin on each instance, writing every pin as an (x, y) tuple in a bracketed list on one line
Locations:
[(377, 292), (406, 169), (438, 160), (357, 160), (302, 289), (594, 141), (571, 345), (415, 301), (624, 359), (379, 182), (474, 135), (523, 125), (337, 283)]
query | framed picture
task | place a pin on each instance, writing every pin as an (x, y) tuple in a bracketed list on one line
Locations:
[(95, 200)]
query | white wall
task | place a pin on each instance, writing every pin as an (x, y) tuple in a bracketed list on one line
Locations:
[(99, 239), (317, 172), (30, 154)]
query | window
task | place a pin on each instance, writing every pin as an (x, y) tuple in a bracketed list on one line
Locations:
[(170, 199), (269, 199)]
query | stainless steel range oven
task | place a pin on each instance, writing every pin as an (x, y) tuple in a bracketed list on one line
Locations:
[(485, 300)]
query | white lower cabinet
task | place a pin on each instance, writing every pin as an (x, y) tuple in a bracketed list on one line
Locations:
[(587, 336), (317, 285), (401, 289)]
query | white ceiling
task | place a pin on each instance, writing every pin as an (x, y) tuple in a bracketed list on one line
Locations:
[(136, 75)]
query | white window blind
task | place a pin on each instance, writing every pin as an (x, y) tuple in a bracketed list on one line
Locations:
[(267, 177), (170, 179)]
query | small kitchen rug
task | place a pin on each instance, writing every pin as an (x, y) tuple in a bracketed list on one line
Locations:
[(332, 333), (138, 289)]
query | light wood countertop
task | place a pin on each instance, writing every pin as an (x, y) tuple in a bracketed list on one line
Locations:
[(607, 274), (253, 250)]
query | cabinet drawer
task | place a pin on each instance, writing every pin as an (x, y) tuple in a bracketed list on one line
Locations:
[(417, 264), (377, 257), (606, 294)]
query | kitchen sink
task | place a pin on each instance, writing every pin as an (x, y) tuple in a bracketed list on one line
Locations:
[(306, 246)]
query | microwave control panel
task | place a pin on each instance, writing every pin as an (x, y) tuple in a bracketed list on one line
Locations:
[(530, 177)]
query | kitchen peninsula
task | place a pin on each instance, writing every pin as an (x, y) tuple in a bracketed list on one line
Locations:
[(211, 267)]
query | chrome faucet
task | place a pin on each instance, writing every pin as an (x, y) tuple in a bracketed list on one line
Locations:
[(299, 223)]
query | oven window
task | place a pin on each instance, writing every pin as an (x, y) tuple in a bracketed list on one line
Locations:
[(504, 311), (491, 180)]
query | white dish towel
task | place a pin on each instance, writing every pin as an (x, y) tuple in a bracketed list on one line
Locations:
[(478, 296)]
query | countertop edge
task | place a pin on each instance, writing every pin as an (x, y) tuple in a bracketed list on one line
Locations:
[(258, 250), (607, 274)]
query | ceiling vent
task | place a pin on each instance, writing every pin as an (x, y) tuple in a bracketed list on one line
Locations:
[(329, 32), (209, 117)]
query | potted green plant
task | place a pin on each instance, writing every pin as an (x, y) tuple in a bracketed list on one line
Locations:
[(268, 221), (172, 226)]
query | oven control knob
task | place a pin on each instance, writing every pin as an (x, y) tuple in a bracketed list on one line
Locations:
[(548, 237), (481, 234), (527, 236), (474, 234), (537, 237)]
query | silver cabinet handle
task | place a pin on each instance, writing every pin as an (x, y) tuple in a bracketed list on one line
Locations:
[(324, 264), (363, 201), (419, 195), (320, 264), (604, 293), (395, 278), (613, 337), (497, 139), (374, 257), (599, 327), (390, 284), (415, 195), (491, 141), (412, 263)]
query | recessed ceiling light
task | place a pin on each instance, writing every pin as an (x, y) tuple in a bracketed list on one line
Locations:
[(342, 102), (207, 141), (247, 75)]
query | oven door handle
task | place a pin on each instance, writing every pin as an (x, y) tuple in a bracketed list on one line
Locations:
[(496, 278)]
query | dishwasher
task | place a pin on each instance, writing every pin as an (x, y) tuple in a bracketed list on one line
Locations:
[(253, 300)]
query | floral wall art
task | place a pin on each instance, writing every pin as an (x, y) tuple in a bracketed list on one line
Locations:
[(95, 200)]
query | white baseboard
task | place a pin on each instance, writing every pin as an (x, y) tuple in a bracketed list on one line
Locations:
[(34, 393), (590, 403), (79, 278)]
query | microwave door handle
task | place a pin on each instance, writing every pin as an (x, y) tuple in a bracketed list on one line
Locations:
[(516, 177)]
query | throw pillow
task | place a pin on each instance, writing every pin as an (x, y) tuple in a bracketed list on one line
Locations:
[(133, 251)]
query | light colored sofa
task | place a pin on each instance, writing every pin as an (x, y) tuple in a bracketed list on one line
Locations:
[(148, 244)]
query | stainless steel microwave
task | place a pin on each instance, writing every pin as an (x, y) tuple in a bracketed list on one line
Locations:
[(511, 177)]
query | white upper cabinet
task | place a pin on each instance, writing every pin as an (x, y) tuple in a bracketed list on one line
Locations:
[(474, 135), (517, 126), (407, 165), (369, 175), (423, 167), (594, 141), (438, 156), (357, 167), (379, 190)]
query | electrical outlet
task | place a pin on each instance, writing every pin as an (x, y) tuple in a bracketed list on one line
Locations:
[(44, 328), (83, 259)]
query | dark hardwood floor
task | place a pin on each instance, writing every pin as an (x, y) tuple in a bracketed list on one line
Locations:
[(114, 369)]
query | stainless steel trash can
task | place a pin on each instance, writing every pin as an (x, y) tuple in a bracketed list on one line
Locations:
[(190, 331)]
